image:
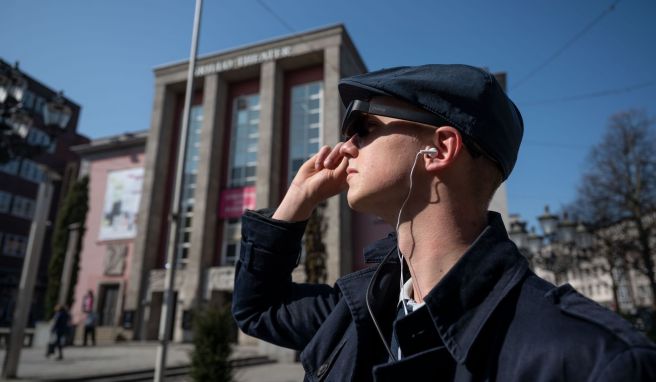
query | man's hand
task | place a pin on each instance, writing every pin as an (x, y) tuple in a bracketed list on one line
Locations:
[(319, 178)]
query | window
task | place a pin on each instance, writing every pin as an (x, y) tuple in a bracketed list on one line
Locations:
[(231, 241), (23, 207), (305, 124), (10, 167), (15, 245), (189, 182), (39, 138), (28, 99), (31, 171), (243, 145), (39, 104), (5, 201)]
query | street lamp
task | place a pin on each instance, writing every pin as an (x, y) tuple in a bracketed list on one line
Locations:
[(12, 86), (57, 112), (564, 242)]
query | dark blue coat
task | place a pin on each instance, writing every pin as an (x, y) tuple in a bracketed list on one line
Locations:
[(489, 318)]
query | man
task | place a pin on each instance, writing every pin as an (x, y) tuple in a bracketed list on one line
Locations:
[(90, 328), (58, 331), (426, 149)]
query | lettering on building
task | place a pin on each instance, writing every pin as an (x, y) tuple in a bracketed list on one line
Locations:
[(245, 60)]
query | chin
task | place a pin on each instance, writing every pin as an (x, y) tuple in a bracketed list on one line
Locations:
[(361, 202)]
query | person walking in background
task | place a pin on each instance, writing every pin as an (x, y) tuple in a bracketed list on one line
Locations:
[(58, 331), (88, 301), (90, 328)]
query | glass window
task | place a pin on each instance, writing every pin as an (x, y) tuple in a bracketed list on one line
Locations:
[(23, 207), (31, 171), (28, 100), (243, 145), (189, 182), (15, 245), (10, 167), (5, 201), (305, 124), (231, 241)]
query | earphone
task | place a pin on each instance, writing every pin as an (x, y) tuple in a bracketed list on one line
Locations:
[(430, 151)]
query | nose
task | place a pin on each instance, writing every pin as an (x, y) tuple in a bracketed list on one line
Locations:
[(349, 148)]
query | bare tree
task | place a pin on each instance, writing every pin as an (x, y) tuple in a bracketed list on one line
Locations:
[(618, 188)]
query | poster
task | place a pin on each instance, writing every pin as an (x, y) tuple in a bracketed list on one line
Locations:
[(121, 205)]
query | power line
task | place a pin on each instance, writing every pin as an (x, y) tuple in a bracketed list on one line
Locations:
[(566, 45), (293, 31), (601, 93), (555, 145)]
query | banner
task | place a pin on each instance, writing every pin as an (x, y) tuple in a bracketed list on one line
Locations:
[(122, 197)]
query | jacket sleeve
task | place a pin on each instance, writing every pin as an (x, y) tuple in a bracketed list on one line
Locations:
[(634, 364), (266, 303)]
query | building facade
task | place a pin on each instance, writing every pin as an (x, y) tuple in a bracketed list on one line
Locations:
[(115, 167), (257, 113), (19, 182)]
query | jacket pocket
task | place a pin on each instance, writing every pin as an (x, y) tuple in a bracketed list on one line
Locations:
[(323, 370)]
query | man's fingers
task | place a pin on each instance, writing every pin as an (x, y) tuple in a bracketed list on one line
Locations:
[(320, 157), (334, 157)]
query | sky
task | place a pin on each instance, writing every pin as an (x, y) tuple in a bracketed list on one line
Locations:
[(570, 64)]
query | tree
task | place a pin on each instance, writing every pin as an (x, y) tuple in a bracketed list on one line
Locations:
[(74, 210), (618, 189), (315, 249), (212, 328)]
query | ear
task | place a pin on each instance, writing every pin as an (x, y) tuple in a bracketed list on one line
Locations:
[(449, 145)]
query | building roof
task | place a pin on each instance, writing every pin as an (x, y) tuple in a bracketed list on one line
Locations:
[(112, 143), (277, 40)]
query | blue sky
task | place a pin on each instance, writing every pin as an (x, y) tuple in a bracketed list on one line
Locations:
[(101, 53)]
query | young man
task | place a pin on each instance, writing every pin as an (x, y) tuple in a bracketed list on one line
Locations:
[(427, 147)]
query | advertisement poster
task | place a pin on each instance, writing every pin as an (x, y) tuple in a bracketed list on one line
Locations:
[(121, 204), (233, 202)]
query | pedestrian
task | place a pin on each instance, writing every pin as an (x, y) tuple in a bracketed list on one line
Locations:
[(88, 302), (450, 297), (90, 328), (58, 332)]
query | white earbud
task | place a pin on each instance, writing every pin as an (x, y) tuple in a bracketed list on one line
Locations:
[(430, 151)]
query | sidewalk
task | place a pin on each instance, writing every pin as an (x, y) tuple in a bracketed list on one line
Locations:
[(90, 361)]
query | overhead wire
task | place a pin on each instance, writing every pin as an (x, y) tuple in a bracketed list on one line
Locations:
[(565, 46), (293, 31), (597, 94)]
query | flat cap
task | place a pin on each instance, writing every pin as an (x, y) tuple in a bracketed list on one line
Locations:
[(467, 97)]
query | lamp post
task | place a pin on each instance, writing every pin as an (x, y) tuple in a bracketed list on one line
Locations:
[(28, 275), (563, 245), (166, 318)]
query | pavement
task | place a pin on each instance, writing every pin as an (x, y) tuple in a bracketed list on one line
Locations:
[(81, 362)]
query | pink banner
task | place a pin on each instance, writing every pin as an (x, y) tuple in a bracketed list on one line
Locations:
[(235, 201)]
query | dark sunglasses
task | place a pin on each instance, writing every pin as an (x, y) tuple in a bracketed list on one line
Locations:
[(356, 116)]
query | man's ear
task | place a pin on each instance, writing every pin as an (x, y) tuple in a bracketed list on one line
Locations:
[(449, 144)]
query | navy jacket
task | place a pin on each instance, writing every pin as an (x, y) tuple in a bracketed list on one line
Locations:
[(489, 318)]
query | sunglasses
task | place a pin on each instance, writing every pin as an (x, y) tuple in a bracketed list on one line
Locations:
[(356, 116)]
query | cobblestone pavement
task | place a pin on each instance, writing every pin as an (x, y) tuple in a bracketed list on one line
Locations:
[(98, 360)]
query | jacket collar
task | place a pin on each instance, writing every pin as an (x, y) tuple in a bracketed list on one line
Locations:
[(462, 302)]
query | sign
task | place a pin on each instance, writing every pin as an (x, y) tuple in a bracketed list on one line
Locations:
[(122, 196), (235, 201), (241, 61)]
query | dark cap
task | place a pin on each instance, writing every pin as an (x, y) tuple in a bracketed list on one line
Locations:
[(468, 98)]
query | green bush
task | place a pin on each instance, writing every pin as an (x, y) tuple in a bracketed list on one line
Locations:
[(212, 330)]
